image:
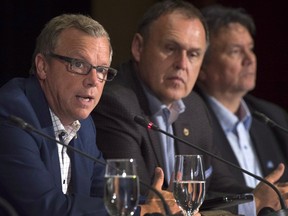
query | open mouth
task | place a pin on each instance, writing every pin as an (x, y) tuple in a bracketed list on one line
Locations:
[(85, 99)]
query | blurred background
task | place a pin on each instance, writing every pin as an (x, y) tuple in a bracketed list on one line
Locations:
[(21, 22)]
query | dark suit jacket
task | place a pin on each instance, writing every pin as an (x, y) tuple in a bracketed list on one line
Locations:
[(120, 137), (30, 176), (269, 143)]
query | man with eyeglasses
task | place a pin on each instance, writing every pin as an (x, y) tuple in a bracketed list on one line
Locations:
[(39, 177), (82, 67)]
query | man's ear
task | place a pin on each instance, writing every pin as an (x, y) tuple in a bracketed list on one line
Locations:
[(137, 46), (41, 66)]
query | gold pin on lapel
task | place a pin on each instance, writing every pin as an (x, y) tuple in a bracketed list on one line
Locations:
[(186, 132)]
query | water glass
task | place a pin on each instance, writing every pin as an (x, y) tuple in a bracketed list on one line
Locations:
[(189, 183), (121, 195)]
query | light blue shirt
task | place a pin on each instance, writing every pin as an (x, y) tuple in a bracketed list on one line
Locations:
[(164, 117), (236, 129)]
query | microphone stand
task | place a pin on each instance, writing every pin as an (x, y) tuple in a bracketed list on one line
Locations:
[(29, 128), (266, 120), (7, 207), (150, 125)]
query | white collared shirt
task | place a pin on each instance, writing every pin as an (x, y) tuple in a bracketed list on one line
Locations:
[(64, 134)]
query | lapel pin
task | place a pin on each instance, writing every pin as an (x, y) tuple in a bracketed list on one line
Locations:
[(186, 132)]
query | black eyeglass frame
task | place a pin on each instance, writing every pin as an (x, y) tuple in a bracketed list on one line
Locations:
[(107, 72)]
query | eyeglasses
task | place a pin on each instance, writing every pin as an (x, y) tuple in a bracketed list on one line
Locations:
[(82, 67)]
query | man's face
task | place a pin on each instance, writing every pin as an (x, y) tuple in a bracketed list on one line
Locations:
[(231, 67), (169, 59), (73, 96)]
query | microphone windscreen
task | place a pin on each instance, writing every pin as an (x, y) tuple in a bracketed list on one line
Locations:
[(264, 211), (145, 123)]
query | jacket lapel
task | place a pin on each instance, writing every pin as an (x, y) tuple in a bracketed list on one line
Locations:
[(40, 106), (152, 135)]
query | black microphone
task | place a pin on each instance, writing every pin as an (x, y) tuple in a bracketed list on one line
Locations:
[(29, 128), (7, 207), (262, 117), (150, 125)]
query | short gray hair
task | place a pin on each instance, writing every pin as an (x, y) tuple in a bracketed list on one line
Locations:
[(47, 40)]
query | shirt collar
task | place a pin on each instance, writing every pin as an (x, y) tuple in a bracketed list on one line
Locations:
[(69, 130), (157, 106), (227, 119)]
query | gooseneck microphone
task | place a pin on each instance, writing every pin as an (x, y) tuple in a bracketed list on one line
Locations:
[(29, 128), (7, 207), (262, 117), (266, 211)]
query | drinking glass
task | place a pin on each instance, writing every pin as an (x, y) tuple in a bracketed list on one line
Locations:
[(121, 195), (189, 183)]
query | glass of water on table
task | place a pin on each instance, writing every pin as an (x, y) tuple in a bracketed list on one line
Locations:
[(121, 195), (189, 183)]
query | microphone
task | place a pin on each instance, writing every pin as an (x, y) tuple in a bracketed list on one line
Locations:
[(7, 207), (282, 212), (262, 117), (29, 128)]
